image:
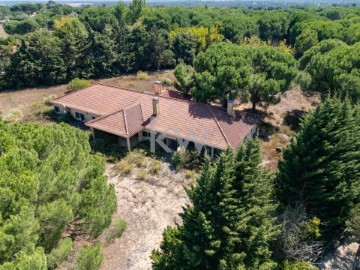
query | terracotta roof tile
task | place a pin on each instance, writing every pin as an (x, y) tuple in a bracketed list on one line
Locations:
[(125, 112)]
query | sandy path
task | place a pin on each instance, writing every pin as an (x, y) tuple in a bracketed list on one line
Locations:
[(148, 207)]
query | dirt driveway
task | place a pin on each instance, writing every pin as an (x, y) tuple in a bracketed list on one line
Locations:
[(22, 99), (148, 206)]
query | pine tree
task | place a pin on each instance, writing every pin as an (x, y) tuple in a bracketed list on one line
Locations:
[(321, 169), (254, 191), (229, 224)]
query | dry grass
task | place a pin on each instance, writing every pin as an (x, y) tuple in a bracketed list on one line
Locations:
[(142, 81), (2, 32), (24, 99), (281, 122)]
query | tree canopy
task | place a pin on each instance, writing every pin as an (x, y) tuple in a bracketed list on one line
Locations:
[(333, 67), (104, 41), (254, 73), (49, 184), (320, 168), (229, 224)]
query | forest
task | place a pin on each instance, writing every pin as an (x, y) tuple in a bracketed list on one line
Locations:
[(241, 216)]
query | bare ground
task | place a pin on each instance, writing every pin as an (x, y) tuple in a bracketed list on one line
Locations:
[(2, 32), (280, 123), (148, 206), (344, 258), (142, 81), (23, 99)]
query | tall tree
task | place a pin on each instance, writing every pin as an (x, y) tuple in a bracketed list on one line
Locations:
[(38, 61), (254, 73), (226, 227), (333, 67), (73, 33), (161, 54), (320, 169), (184, 47), (135, 10)]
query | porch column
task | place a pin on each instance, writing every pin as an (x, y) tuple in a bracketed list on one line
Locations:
[(128, 144), (92, 132), (141, 136), (212, 153)]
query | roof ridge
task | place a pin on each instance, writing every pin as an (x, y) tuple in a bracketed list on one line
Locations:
[(103, 116), (126, 125), (151, 94), (217, 123)]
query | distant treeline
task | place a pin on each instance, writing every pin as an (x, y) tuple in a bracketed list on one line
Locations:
[(53, 43)]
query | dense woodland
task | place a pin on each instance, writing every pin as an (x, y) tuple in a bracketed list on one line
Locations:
[(52, 43), (241, 216)]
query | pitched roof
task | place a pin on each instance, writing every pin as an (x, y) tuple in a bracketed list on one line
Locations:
[(125, 112), (125, 122)]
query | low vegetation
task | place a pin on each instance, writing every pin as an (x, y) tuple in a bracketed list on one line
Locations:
[(116, 229), (123, 167), (90, 258), (188, 160), (77, 84), (13, 116), (142, 175), (60, 253)]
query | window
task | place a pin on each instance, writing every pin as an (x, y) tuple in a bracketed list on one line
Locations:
[(146, 134), (79, 116), (57, 109)]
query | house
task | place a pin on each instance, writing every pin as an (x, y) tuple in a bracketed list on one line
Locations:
[(172, 123)]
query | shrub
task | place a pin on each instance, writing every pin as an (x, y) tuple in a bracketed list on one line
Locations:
[(49, 98), (142, 175), (353, 224), (60, 253), (137, 157), (166, 81), (189, 174), (89, 258), (142, 75), (190, 160), (13, 116), (155, 167), (117, 228), (77, 84), (123, 167), (298, 265)]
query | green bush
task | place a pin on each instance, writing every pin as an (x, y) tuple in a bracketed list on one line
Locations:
[(117, 228), (189, 160), (13, 116), (166, 81), (123, 167), (142, 175), (89, 258), (155, 167), (77, 84), (190, 174), (112, 151), (298, 265), (59, 253), (137, 157), (142, 75)]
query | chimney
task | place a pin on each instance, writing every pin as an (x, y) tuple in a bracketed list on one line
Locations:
[(156, 107), (158, 88), (230, 107)]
